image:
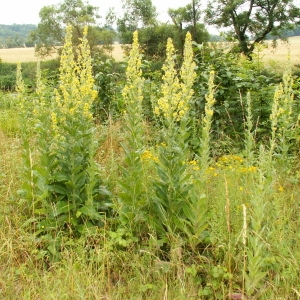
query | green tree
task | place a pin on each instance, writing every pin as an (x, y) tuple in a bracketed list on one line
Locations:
[(137, 14), (187, 19), (251, 21), (50, 32), (15, 35)]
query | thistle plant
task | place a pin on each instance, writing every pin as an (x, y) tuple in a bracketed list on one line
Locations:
[(132, 198)]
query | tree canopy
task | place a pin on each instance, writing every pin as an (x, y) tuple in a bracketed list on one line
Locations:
[(187, 18), (15, 35), (251, 21), (153, 34), (54, 19)]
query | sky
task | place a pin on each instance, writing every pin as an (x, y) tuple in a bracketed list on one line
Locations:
[(27, 11)]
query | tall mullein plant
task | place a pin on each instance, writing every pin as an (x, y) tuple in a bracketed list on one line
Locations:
[(286, 120), (42, 107), (256, 244), (282, 121), (132, 199), (198, 214), (68, 160), (171, 203)]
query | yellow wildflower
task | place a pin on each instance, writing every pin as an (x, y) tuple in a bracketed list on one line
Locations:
[(174, 104)]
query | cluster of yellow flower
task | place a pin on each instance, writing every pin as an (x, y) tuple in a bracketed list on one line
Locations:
[(133, 90), (147, 155), (251, 169), (230, 159), (174, 104), (76, 94), (234, 163), (210, 100), (194, 164)]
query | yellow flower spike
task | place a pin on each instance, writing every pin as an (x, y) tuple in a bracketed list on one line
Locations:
[(133, 90), (77, 92), (20, 87), (187, 72)]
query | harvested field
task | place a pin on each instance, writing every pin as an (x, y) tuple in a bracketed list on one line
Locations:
[(19, 55), (27, 54), (279, 55)]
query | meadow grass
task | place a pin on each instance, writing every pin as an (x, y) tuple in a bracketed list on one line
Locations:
[(108, 271)]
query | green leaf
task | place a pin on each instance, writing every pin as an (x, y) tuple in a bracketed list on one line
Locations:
[(62, 207), (58, 189), (60, 176), (89, 212)]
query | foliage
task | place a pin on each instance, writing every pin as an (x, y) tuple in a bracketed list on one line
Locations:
[(49, 34), (137, 15), (187, 19), (235, 76), (16, 35), (61, 185), (8, 73), (251, 21), (108, 80), (153, 34)]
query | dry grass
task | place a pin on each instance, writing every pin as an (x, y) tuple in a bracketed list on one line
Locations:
[(19, 55), (284, 51), (118, 52), (27, 54)]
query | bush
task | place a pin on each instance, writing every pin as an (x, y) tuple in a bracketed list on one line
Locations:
[(8, 73), (235, 76)]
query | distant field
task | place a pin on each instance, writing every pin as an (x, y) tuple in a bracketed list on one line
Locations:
[(27, 54), (18, 55), (280, 54), (270, 55)]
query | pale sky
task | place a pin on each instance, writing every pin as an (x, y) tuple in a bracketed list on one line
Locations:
[(27, 11)]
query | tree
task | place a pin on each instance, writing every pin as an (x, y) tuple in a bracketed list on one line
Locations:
[(187, 19), (138, 13), (251, 21), (50, 32), (188, 15)]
